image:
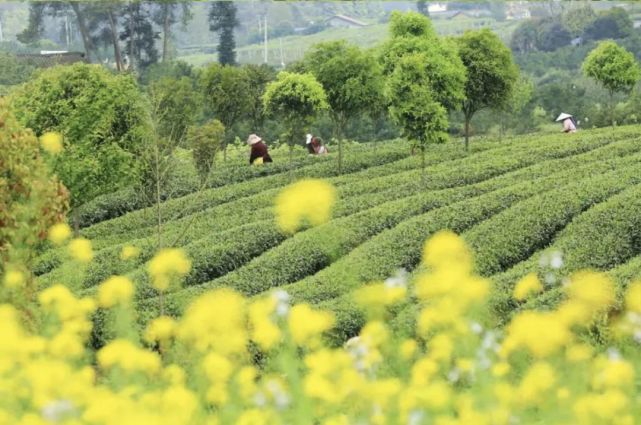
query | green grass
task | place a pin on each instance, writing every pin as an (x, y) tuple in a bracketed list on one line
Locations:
[(511, 199)]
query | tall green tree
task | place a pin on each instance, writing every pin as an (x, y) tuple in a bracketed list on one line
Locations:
[(352, 79), (614, 68), (139, 36), (613, 23), (259, 76), (205, 142), (414, 106), (227, 94), (295, 99), (412, 33), (222, 19), (102, 118), (177, 107), (491, 73)]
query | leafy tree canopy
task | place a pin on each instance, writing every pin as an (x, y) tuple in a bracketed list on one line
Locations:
[(612, 66), (103, 120)]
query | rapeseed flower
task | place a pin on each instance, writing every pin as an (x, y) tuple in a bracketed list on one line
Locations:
[(593, 291), (527, 286), (306, 324), (216, 321), (128, 252), (59, 233), (115, 290), (14, 279), (167, 264), (125, 355), (633, 297), (161, 330), (447, 250), (541, 333), (308, 201), (51, 142), (80, 250), (264, 331)]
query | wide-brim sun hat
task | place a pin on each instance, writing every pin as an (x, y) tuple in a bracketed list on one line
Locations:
[(563, 116), (253, 139)]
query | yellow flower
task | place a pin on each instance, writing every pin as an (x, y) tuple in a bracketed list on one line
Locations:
[(80, 249), (160, 329), (501, 369), (115, 290), (633, 297), (14, 279), (408, 349), (51, 142), (128, 357), (536, 383), (578, 353), (263, 330), (306, 324), (59, 233), (530, 284), (447, 250), (541, 333), (305, 201), (128, 252), (592, 290), (613, 373), (168, 263), (258, 161), (216, 321)]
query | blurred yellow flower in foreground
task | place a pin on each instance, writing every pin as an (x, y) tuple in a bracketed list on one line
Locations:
[(167, 264), (59, 233), (51, 142), (527, 286), (128, 252), (308, 201), (80, 249), (14, 279), (115, 290)]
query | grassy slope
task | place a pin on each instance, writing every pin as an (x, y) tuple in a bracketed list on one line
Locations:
[(510, 199), (293, 47)]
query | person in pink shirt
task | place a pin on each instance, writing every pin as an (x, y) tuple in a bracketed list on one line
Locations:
[(569, 125)]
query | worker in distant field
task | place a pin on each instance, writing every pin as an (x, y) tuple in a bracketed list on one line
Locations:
[(315, 145), (258, 154), (569, 124)]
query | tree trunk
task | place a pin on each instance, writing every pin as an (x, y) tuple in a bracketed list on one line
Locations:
[(165, 32), (467, 132), (82, 26), (340, 131), (612, 108), (423, 165), (113, 25), (132, 54)]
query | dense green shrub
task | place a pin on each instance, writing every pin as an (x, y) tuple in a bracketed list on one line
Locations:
[(103, 120)]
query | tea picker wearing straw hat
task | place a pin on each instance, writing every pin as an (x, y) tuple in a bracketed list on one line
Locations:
[(569, 124), (258, 153)]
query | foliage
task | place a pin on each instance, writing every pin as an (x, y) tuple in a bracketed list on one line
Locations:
[(176, 105), (578, 18), (227, 94), (491, 73), (259, 76), (31, 199), (612, 23), (173, 69), (12, 71), (139, 37), (612, 66), (102, 119), (413, 105), (552, 35), (222, 17), (205, 141), (295, 99), (352, 80)]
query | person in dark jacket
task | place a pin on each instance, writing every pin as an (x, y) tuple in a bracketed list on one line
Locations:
[(258, 153)]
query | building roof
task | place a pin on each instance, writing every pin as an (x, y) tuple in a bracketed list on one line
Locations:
[(349, 20)]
